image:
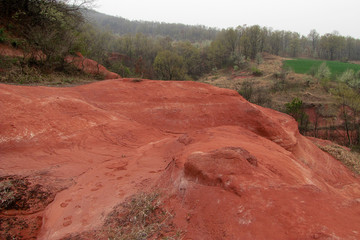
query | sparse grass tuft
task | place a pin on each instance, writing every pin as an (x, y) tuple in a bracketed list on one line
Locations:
[(349, 159), (141, 217), (256, 72)]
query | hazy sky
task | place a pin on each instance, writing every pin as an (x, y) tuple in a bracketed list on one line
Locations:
[(299, 16)]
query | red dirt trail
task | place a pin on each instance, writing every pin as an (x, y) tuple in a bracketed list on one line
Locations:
[(230, 169)]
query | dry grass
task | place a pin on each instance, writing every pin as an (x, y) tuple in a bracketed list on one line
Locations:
[(7, 194), (14, 71), (141, 217), (277, 84), (349, 159)]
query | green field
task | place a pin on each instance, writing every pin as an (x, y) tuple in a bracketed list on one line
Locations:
[(305, 65)]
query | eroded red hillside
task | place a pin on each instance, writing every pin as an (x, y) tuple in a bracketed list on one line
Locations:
[(79, 61), (227, 169)]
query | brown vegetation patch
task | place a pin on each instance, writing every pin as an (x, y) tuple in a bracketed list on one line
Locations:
[(141, 217), (22, 201), (19, 193), (348, 158)]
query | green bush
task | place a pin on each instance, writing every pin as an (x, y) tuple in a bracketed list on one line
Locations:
[(295, 108), (313, 70), (256, 72), (350, 78), (119, 68), (3, 37), (262, 97), (323, 72), (245, 89)]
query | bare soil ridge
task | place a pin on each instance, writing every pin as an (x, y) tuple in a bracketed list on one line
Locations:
[(227, 169)]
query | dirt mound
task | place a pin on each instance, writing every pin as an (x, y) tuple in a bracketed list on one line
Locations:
[(225, 168), (90, 66), (85, 64)]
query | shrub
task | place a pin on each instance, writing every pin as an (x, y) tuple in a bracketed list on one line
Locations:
[(120, 68), (263, 97), (350, 78), (323, 72), (313, 70), (295, 108), (245, 89), (281, 80), (256, 72), (2, 35), (282, 75)]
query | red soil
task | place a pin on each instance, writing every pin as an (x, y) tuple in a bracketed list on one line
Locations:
[(85, 64), (90, 66), (229, 169), (6, 50)]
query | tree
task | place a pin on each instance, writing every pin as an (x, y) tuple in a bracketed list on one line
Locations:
[(252, 41), (295, 44), (49, 26), (323, 72), (245, 89), (331, 45), (295, 108), (169, 66), (349, 100), (191, 57), (350, 78), (275, 42), (314, 38)]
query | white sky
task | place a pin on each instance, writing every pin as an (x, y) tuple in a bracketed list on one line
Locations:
[(299, 16)]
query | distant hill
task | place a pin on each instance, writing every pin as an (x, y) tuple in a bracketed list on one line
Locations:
[(176, 31)]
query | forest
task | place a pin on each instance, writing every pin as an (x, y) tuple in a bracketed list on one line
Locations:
[(150, 49)]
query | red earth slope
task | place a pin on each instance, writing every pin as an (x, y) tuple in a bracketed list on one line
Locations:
[(230, 169), (79, 61)]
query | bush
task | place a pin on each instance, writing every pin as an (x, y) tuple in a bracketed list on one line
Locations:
[(350, 78), (256, 72), (313, 70), (281, 80), (3, 37), (245, 89), (119, 68), (323, 72), (282, 75), (263, 97), (295, 108)]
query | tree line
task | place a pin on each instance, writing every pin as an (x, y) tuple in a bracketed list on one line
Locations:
[(250, 40), (156, 50), (121, 26), (232, 47)]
